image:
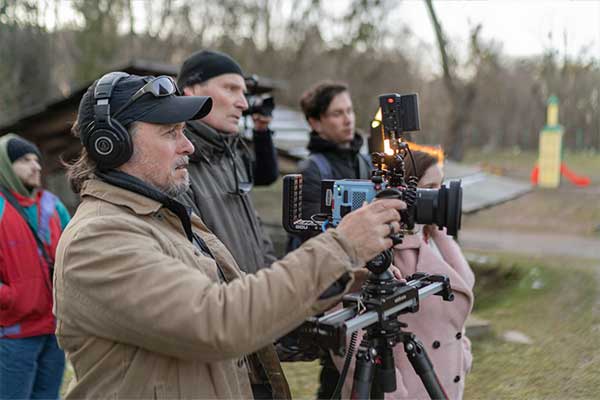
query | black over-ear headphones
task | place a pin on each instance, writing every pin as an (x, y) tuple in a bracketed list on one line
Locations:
[(106, 140)]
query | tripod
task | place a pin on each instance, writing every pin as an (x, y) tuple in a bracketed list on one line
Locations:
[(374, 373), (375, 310)]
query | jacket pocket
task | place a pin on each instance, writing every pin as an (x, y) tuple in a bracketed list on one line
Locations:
[(29, 298)]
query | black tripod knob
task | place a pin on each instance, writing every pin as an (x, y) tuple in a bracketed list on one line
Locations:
[(381, 263)]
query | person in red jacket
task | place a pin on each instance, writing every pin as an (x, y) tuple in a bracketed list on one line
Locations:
[(31, 221)]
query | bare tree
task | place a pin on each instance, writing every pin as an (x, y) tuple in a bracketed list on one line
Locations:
[(461, 94)]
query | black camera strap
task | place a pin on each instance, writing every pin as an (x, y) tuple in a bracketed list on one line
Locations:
[(40, 244)]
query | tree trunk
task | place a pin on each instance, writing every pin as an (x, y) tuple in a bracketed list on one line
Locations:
[(460, 97)]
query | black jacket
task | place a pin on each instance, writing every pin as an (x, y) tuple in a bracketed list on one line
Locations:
[(220, 169), (344, 164)]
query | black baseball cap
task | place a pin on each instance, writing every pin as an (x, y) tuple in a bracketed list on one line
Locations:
[(204, 65), (169, 109)]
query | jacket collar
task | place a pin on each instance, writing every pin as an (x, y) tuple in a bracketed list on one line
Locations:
[(136, 185), (317, 144), (208, 142), (121, 197)]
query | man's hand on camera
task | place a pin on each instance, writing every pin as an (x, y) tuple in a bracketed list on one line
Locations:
[(261, 122), (369, 227)]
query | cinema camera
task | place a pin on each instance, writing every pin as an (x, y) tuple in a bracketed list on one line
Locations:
[(400, 114), (258, 95), (382, 299)]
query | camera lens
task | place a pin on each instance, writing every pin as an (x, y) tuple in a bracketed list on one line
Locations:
[(442, 207)]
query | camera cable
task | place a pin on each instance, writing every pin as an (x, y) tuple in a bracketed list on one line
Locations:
[(348, 359)]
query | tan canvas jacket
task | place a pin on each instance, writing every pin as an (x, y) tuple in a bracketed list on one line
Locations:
[(141, 312)]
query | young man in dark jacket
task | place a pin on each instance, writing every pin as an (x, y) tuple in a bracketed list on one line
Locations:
[(31, 364), (222, 169), (334, 154), (334, 145)]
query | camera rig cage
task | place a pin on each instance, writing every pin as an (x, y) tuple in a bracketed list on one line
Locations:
[(400, 114)]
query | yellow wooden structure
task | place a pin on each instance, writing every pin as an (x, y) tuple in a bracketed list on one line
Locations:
[(550, 151)]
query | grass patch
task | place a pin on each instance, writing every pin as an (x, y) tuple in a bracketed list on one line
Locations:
[(555, 303), (303, 378)]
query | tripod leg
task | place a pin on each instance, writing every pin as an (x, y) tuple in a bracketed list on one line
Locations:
[(385, 374), (422, 364), (364, 372)]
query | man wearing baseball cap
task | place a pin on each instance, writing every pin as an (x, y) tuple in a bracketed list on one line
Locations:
[(31, 221), (222, 169), (149, 303)]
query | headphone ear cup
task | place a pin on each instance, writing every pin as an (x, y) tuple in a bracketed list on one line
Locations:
[(109, 146)]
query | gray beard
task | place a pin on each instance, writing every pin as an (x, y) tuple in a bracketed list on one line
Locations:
[(175, 191)]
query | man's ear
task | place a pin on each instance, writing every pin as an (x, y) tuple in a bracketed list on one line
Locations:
[(189, 91), (315, 124)]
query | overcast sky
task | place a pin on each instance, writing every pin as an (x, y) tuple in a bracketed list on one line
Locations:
[(521, 25)]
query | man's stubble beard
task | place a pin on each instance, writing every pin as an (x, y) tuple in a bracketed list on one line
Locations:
[(176, 189), (151, 175)]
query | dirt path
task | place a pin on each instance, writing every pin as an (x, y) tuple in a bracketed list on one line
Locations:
[(537, 244)]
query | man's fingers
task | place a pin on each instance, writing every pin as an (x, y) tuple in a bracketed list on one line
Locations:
[(387, 204), (388, 243), (389, 228), (389, 215)]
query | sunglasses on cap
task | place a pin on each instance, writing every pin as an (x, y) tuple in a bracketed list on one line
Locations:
[(161, 86)]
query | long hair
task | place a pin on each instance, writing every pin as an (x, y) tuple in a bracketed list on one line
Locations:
[(82, 168)]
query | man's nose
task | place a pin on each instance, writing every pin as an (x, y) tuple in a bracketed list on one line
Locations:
[(186, 147), (349, 117), (241, 102)]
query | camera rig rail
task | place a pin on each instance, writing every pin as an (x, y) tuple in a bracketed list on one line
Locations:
[(360, 310)]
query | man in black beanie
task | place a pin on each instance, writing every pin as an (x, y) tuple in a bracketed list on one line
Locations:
[(31, 222), (223, 170)]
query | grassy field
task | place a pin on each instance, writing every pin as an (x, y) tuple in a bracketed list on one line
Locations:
[(554, 302)]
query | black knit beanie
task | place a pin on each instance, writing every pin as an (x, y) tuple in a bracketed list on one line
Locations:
[(18, 147), (206, 64)]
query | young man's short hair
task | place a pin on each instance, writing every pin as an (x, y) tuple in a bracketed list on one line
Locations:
[(316, 100)]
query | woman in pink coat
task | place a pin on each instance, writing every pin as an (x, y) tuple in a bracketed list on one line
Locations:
[(439, 325)]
